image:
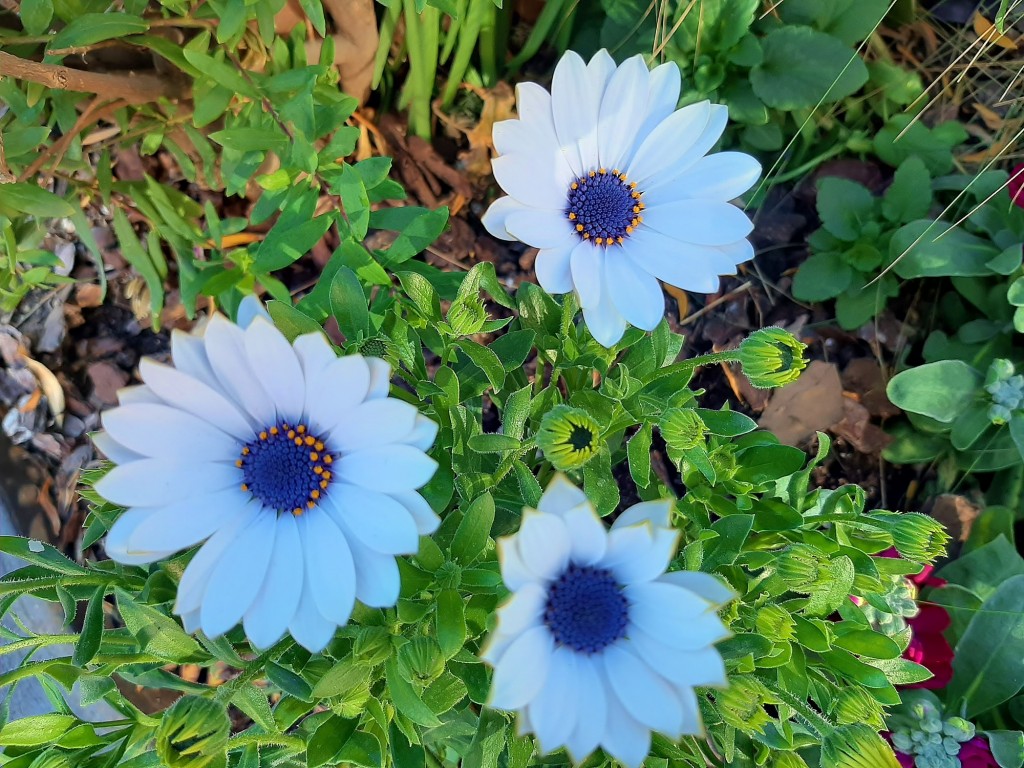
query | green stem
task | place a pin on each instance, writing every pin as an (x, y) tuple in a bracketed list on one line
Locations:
[(267, 740), (255, 669), (810, 165), (38, 641), (814, 720)]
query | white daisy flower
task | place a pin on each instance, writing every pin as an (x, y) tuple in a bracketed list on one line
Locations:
[(291, 466), (610, 181), (598, 646)]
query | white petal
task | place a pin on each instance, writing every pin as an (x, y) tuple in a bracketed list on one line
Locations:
[(622, 111), (334, 390), (592, 706), (523, 610), (552, 711), (574, 104), (498, 212), (552, 268), (587, 264), (426, 519), (604, 321), (634, 292), (329, 560), (709, 587), (624, 738), (737, 252), (374, 423), (668, 145), (703, 666), (249, 309), (541, 228), (662, 97), (543, 543), (645, 695), (225, 349), (533, 104), (183, 524), (536, 133), (268, 617), (189, 355), (653, 562), (535, 181), (424, 432), (197, 574), (514, 572), (378, 580), (380, 378), (196, 397), (163, 431), (387, 468), (314, 352), (560, 496), (657, 513), (376, 519), (691, 725), (679, 618), (238, 576), (152, 482), (522, 671), (190, 621), (112, 449), (589, 540), (722, 177), (600, 69), (687, 266), (116, 543), (277, 366), (705, 142), (703, 222), (310, 630), (138, 394)]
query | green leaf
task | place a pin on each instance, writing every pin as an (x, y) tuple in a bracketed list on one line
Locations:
[(289, 682), (901, 671), (35, 730), (158, 634), (328, 739), (983, 569), (844, 207), (314, 10), (143, 263), (867, 642), (905, 136), (486, 360), (474, 529), (822, 276), (249, 139), (909, 196), (803, 67), (450, 620), (1007, 748), (988, 667), (28, 197), (286, 242), (494, 443), (940, 390), (253, 702), (40, 553), (348, 304), (833, 591), (638, 453), (764, 463), (726, 423), (89, 28), (35, 18), (418, 228), (927, 248), (290, 321), (732, 535), (92, 630), (405, 699)]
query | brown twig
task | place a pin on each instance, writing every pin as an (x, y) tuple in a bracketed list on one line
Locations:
[(135, 89), (98, 110)]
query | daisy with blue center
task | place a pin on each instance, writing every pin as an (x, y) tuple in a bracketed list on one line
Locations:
[(292, 467), (615, 187), (598, 646)]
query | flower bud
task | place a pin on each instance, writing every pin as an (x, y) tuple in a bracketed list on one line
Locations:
[(916, 537), (742, 705), (569, 437), (372, 645), (958, 729), (856, 746), (772, 357), (421, 659), (682, 429), (378, 346), (467, 315), (856, 705), (799, 566), (775, 623), (788, 760), (193, 733)]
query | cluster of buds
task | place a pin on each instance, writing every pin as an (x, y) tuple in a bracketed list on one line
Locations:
[(1006, 388), (933, 742)]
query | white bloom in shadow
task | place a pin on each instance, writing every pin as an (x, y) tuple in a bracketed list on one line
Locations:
[(615, 187), (291, 467), (598, 646)]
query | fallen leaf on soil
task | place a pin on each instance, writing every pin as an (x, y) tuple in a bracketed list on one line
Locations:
[(956, 513), (50, 387), (89, 295), (857, 429), (812, 403), (106, 380), (988, 32), (863, 376)]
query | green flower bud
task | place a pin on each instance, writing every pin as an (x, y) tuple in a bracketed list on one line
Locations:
[(682, 429), (916, 537), (569, 437), (352, 703), (788, 760), (856, 705), (772, 357), (467, 315), (723, 459), (421, 659), (775, 623), (378, 346), (958, 729), (999, 370), (193, 733), (799, 566), (372, 645), (856, 746), (742, 705)]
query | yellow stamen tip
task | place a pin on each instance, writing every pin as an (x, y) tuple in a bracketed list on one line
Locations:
[(574, 185), (310, 440), (619, 239), (314, 456), (263, 435), (245, 451), (245, 487), (315, 493), (291, 434), (328, 459), (323, 484), (319, 445), (273, 430), (301, 429), (298, 441), (238, 463), (318, 470), (579, 227), (602, 171), (592, 174), (632, 185), (572, 217), (310, 503), (297, 511), (586, 235)]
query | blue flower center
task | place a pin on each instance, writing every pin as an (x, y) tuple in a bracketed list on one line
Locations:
[(286, 468), (586, 609), (603, 207)]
